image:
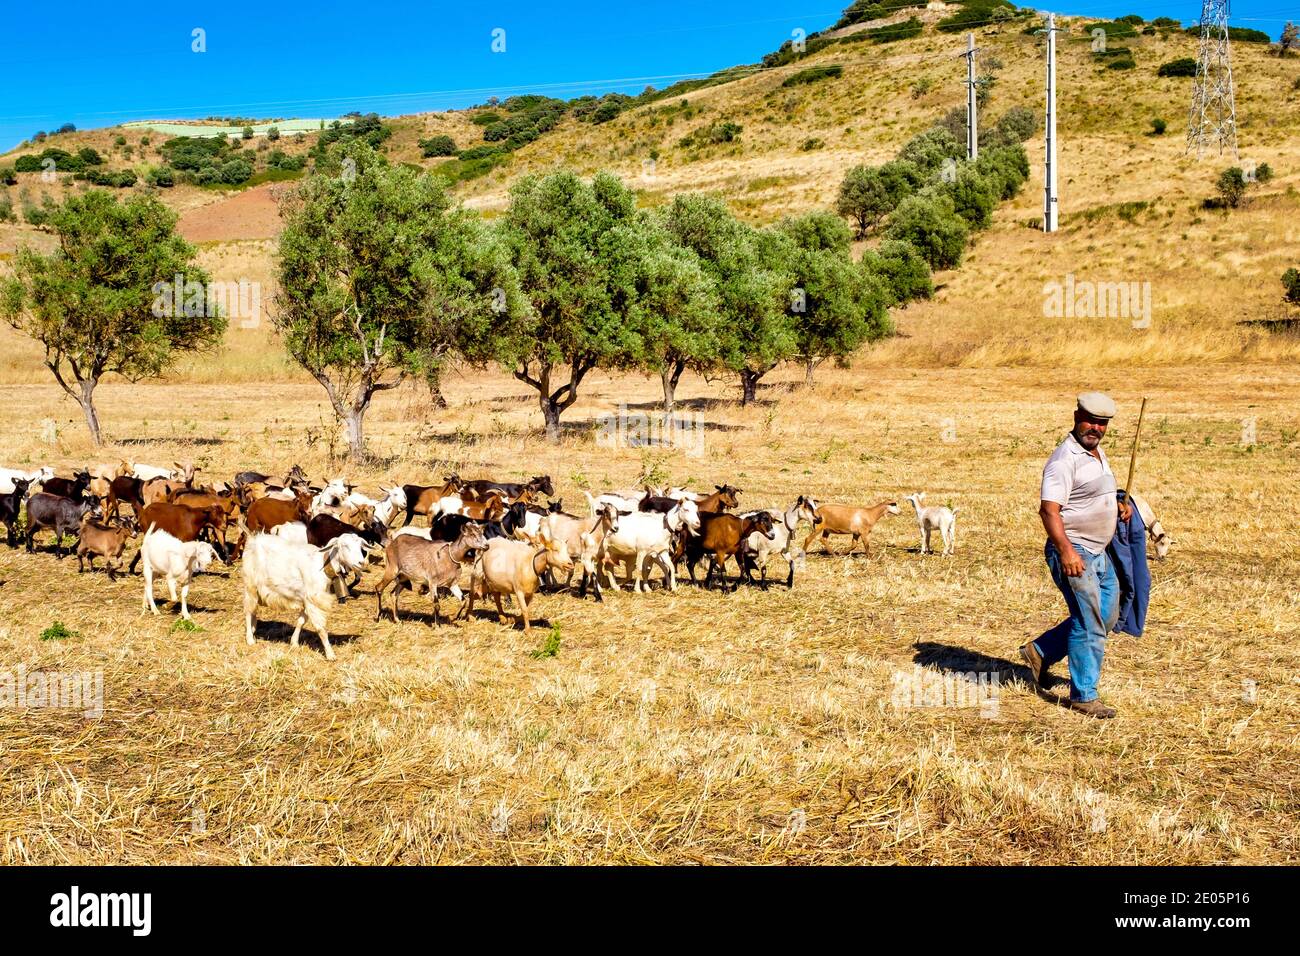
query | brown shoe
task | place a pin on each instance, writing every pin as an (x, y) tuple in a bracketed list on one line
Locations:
[(1034, 661), (1093, 708)]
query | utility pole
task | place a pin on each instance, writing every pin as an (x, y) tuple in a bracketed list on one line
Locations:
[(1214, 109), (1049, 162), (972, 124)]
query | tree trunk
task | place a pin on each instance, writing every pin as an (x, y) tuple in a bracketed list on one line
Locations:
[(749, 384), (354, 429), (810, 364), (87, 402), (670, 375), (551, 412), (435, 389)]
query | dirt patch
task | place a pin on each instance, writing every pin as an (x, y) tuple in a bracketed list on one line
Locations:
[(250, 214)]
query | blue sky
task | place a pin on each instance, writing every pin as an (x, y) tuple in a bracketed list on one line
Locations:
[(95, 64)]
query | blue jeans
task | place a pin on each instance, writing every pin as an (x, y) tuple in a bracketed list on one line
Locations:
[(1093, 600)]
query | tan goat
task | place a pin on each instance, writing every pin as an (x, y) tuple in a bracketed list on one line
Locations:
[(516, 568), (847, 519)]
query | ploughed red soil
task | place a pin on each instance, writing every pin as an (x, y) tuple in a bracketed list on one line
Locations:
[(248, 214)]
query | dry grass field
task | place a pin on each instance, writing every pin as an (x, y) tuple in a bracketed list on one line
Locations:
[(695, 726), (756, 727)]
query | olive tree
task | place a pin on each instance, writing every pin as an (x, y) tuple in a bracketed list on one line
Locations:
[(120, 295), (754, 330), (677, 321), (838, 306), (571, 242), (380, 278)]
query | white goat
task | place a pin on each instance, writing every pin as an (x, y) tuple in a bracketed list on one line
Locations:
[(645, 536), (294, 531), (1160, 538), (331, 497), (760, 548), (150, 472), (7, 476), (943, 520), (285, 575), (386, 508), (177, 561)]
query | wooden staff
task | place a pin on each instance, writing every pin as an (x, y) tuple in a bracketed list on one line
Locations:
[(1133, 456)]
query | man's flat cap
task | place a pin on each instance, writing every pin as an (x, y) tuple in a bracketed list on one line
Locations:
[(1097, 404)]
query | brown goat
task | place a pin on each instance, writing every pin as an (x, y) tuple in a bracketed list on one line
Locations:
[(184, 524), (423, 499), (267, 513), (847, 519), (161, 489), (721, 537), (106, 541), (725, 498), (126, 488), (411, 559), (207, 499)]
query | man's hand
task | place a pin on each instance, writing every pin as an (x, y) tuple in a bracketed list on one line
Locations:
[(1125, 511), (1050, 513)]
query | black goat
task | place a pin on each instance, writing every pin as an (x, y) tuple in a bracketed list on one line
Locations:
[(57, 514)]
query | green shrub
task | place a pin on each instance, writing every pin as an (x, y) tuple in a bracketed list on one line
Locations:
[(1158, 126), (719, 131), (932, 226), (1291, 285), (161, 176), (1231, 186), (6, 208), (928, 150), (235, 171), (901, 270), (1240, 34), (89, 156), (893, 32), (1263, 173), (437, 146), (976, 13), (860, 11), (8, 176), (1114, 30), (974, 196), (58, 631), (814, 74), (1124, 63), (119, 140), (1183, 66), (475, 153), (488, 118), (1006, 168)]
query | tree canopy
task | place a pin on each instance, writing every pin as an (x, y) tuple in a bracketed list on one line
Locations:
[(103, 301)]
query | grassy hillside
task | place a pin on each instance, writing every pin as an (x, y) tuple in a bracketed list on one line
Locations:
[(1131, 201)]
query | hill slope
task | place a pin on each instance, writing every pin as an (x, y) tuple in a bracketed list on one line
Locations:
[(1131, 202)]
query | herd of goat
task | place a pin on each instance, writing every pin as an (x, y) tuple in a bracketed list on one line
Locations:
[(301, 547)]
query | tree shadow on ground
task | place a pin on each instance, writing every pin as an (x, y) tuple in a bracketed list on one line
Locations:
[(1288, 325), (169, 441)]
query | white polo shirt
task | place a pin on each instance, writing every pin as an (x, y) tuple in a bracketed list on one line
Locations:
[(1085, 489)]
